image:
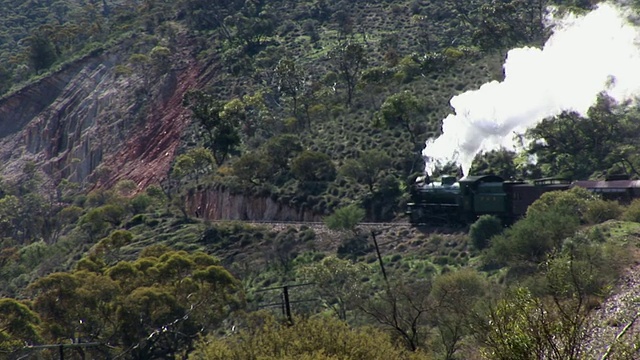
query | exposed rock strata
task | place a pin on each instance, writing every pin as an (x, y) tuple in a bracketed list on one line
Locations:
[(86, 124), (219, 204)]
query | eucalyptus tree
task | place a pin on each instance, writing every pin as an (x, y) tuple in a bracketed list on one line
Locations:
[(349, 60), (221, 133), (290, 81)]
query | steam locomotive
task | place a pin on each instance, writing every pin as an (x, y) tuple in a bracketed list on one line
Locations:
[(451, 201)]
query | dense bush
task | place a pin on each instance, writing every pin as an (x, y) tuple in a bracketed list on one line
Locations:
[(313, 166), (533, 238), (345, 218), (484, 229), (632, 211), (311, 339), (599, 211), (575, 201)]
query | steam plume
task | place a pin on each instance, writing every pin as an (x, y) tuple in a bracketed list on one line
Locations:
[(585, 56)]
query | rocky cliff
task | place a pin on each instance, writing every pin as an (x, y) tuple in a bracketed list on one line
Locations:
[(86, 124), (215, 204)]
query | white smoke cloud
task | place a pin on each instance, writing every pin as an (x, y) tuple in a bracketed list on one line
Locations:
[(586, 55)]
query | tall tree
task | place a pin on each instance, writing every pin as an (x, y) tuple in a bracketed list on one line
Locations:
[(313, 166), (401, 109), (349, 60), (337, 283), (18, 325), (252, 168), (290, 81), (220, 132), (503, 24), (281, 149), (253, 24), (555, 320), (42, 53), (497, 162), (367, 168), (573, 146), (404, 309), (344, 21), (6, 79), (150, 308), (455, 296)]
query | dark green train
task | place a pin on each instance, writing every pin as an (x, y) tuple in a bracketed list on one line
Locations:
[(463, 201)]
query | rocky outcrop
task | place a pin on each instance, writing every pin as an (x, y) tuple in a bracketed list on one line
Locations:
[(86, 124), (222, 204)]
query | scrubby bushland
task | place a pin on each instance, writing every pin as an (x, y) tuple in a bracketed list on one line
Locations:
[(484, 229), (316, 338), (293, 109), (124, 304)]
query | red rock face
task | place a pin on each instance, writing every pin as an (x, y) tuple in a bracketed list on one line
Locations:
[(87, 125), (146, 157)]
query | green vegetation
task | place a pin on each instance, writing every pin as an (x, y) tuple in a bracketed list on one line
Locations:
[(346, 218), (312, 339), (128, 265), (317, 106), (484, 229)]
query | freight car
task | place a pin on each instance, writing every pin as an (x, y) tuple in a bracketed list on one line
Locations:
[(462, 201)]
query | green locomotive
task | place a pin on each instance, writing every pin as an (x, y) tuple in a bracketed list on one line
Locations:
[(463, 201)]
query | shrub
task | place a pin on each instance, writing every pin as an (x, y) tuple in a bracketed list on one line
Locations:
[(575, 201), (453, 53), (442, 260), (345, 218), (312, 339), (122, 70), (307, 234), (599, 211), (140, 203), (353, 247), (136, 220), (484, 229), (533, 238), (632, 211), (408, 69)]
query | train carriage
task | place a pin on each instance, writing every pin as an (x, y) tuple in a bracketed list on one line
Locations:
[(451, 201), (623, 191)]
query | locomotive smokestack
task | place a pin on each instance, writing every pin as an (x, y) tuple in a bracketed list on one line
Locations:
[(586, 55)]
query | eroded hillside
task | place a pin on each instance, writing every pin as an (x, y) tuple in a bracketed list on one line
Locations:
[(87, 124)]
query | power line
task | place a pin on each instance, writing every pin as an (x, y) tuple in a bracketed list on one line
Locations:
[(60, 347), (286, 302)]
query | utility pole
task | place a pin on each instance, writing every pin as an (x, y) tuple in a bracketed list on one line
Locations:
[(375, 242), (285, 304)]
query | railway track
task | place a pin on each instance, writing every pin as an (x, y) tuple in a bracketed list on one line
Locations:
[(314, 223), (320, 226)]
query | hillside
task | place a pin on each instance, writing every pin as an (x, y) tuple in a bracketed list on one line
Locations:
[(144, 143), (65, 104)]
